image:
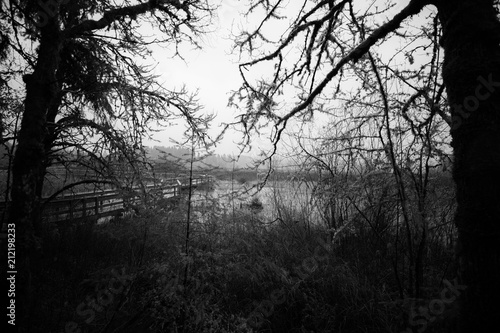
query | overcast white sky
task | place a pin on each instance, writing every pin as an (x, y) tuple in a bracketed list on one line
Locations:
[(213, 70)]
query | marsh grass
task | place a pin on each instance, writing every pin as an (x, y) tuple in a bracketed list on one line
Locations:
[(236, 260)]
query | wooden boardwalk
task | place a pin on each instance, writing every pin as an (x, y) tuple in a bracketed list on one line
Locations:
[(111, 202)]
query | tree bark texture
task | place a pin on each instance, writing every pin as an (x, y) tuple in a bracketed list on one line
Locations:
[(471, 73)]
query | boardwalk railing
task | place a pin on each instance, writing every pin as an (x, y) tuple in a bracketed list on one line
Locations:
[(111, 202)]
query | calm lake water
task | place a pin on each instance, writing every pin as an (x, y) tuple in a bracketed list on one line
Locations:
[(279, 199)]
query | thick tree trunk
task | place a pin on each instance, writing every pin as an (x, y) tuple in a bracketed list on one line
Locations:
[(29, 161), (471, 73)]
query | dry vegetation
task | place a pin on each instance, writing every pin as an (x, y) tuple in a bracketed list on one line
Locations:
[(241, 273)]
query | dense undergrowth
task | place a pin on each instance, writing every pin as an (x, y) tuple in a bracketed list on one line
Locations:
[(239, 275)]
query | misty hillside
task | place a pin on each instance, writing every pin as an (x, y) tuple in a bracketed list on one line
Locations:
[(182, 156)]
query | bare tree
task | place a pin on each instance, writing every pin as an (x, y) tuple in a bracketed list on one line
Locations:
[(324, 42), (86, 90)]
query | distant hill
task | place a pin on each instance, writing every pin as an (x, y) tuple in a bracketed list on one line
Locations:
[(182, 156)]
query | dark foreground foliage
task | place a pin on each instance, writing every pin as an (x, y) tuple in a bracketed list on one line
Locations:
[(239, 275)]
